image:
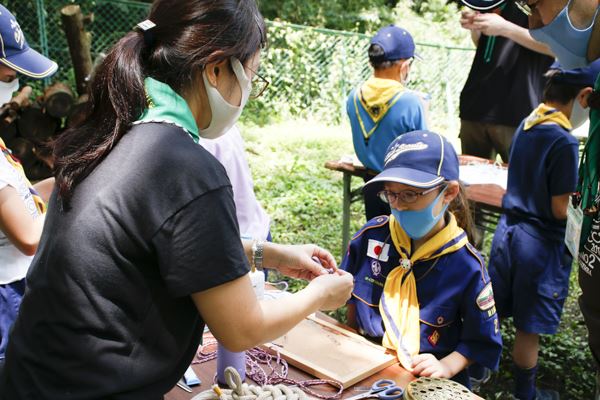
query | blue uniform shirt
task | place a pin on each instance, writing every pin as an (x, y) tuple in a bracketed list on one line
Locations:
[(457, 311), (542, 163), (405, 114)]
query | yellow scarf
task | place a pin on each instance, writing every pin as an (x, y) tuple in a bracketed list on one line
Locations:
[(37, 199), (376, 96), (399, 305), (544, 114)]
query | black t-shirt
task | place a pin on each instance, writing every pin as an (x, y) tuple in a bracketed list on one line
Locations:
[(505, 89), (108, 312)]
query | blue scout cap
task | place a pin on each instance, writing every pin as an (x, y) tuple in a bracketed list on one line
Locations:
[(397, 43), (16, 54), (584, 76), (421, 159), (483, 5)]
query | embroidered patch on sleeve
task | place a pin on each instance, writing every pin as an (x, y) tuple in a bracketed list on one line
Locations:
[(485, 299), (378, 250), (434, 338)]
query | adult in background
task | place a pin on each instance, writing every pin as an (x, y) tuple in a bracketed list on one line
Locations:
[(382, 108), (569, 27), (229, 149), (141, 246), (22, 205), (506, 79)]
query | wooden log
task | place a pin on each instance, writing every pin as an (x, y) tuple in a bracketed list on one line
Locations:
[(78, 112), (35, 125), (58, 100), (79, 44), (10, 111)]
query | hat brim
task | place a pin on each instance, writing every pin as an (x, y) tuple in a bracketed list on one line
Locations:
[(31, 63), (406, 176), (480, 5)]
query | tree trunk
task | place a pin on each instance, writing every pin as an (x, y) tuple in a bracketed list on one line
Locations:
[(79, 44)]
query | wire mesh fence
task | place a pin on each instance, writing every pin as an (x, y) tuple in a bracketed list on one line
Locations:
[(311, 70)]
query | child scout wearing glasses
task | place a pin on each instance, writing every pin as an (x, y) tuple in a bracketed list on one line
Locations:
[(420, 287)]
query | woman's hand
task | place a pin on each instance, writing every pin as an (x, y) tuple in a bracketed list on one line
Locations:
[(306, 261), (335, 289), (427, 365)]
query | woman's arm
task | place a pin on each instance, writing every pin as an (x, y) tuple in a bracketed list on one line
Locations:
[(16, 222), (239, 321)]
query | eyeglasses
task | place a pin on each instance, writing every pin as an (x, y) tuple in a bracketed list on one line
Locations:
[(405, 196), (258, 84), (525, 7)]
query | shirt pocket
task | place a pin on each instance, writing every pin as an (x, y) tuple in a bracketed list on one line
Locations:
[(438, 333)]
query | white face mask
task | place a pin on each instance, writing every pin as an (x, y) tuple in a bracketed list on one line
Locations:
[(7, 89), (579, 115), (224, 114)]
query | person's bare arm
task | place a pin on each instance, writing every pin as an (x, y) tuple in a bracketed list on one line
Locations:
[(559, 206), (45, 188), (23, 230), (491, 24), (239, 321)]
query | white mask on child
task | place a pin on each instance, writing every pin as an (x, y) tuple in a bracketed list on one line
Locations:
[(7, 89), (578, 114)]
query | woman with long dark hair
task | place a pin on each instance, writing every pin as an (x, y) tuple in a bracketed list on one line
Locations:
[(141, 247)]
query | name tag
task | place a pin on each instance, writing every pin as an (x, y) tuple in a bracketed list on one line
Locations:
[(573, 231)]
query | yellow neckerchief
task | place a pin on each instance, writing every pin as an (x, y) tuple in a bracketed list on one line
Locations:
[(37, 199), (399, 305), (376, 96), (544, 114)]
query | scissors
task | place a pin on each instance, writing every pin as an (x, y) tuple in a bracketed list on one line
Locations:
[(384, 389)]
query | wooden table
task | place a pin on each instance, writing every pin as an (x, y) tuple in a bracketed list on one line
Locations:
[(206, 372), (486, 199)]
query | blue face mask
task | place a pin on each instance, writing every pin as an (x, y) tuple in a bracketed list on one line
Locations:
[(417, 223)]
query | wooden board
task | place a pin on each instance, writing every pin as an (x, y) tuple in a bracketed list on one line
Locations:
[(331, 352)]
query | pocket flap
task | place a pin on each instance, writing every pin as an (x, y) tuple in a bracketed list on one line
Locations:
[(436, 316), (553, 291)]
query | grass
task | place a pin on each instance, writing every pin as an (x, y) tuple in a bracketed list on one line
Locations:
[(304, 200)]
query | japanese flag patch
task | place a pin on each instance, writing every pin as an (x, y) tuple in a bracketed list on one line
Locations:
[(485, 299), (378, 250)]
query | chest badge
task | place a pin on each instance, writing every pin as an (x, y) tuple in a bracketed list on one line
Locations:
[(378, 250), (375, 268)]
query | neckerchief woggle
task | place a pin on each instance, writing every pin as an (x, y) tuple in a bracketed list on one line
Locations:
[(399, 305), (14, 162), (587, 186), (376, 96), (165, 105)]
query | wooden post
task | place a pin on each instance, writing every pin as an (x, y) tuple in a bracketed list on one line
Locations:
[(58, 100), (79, 44)]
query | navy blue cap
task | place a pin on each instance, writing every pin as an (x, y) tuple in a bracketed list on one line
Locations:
[(421, 159), (585, 76), (397, 43), (16, 54), (483, 5)]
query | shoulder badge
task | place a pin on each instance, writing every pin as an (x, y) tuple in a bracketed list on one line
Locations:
[(378, 250), (485, 299)]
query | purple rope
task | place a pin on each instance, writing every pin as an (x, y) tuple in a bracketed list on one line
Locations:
[(278, 370)]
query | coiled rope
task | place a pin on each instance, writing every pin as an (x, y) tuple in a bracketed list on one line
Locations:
[(277, 376)]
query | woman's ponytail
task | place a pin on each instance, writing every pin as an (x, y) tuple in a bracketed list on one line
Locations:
[(462, 211)]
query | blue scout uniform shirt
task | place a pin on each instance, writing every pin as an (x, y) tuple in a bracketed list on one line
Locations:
[(542, 163), (405, 114), (457, 311)]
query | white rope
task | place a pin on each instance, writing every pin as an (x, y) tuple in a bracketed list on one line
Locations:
[(242, 391)]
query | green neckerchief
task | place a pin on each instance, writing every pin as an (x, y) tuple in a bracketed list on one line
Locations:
[(588, 170), (164, 105)]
